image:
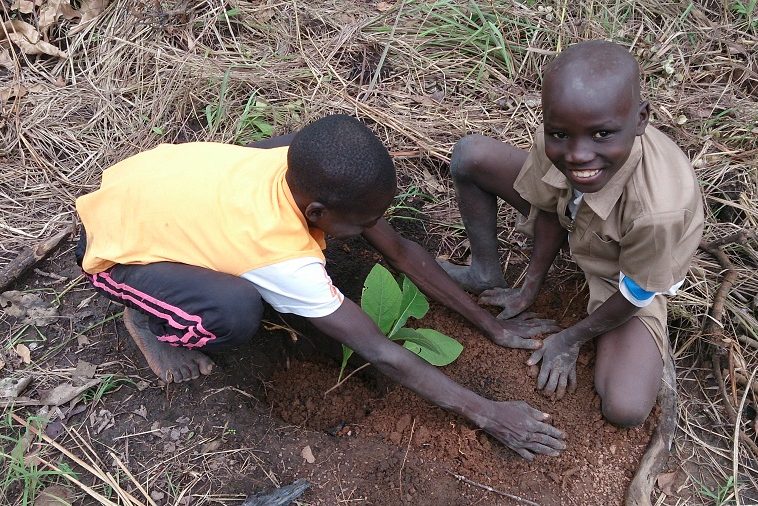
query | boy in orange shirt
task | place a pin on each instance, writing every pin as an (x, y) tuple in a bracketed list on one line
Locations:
[(193, 238)]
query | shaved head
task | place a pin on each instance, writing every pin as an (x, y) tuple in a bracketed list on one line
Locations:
[(588, 68)]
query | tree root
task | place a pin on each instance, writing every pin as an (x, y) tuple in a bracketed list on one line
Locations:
[(659, 447)]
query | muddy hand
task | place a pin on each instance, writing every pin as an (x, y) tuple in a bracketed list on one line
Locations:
[(517, 332), (558, 371), (522, 428), (512, 300)]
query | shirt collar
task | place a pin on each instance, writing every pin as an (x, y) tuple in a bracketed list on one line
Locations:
[(603, 201)]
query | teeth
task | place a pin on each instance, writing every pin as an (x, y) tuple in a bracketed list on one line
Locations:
[(584, 174)]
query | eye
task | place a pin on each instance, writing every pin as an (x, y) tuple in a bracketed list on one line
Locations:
[(558, 135), (601, 134)]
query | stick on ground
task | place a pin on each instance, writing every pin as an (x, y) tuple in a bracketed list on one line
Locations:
[(30, 256)]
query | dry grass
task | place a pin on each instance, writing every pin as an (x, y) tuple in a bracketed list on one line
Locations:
[(422, 75)]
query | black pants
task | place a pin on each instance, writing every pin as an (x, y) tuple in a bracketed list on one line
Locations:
[(186, 305)]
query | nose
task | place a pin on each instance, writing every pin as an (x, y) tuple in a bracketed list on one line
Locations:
[(579, 152)]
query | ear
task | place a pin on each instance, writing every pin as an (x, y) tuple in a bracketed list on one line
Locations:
[(314, 212), (643, 117)]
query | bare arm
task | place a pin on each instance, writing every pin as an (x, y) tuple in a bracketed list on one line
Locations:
[(413, 260), (515, 424), (559, 353)]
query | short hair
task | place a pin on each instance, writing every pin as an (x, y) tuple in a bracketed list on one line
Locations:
[(595, 63), (338, 161)]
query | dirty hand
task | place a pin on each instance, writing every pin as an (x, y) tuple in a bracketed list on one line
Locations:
[(522, 428), (558, 370), (512, 300), (517, 332)]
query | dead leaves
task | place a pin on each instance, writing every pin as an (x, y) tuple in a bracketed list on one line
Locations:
[(55, 495), (28, 307), (66, 392), (33, 40), (27, 39)]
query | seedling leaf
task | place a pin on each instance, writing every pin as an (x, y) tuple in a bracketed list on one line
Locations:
[(413, 304), (445, 349), (381, 298), (346, 354), (417, 338)]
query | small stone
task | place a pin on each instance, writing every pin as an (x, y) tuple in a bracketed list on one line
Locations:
[(613, 449), (396, 437)]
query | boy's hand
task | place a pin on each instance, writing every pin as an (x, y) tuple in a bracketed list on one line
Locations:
[(517, 332), (512, 300), (558, 370), (522, 428)]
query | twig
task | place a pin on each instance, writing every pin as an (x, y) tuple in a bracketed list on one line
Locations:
[(736, 449), (347, 377), (516, 498), (29, 257), (405, 457), (638, 493), (714, 328), (279, 497)]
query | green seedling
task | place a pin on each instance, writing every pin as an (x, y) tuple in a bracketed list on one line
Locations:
[(721, 494), (252, 125), (390, 306)]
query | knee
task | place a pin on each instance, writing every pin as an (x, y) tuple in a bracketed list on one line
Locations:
[(238, 317), (625, 411), (466, 157)]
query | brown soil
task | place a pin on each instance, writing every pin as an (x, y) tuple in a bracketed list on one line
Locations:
[(242, 429)]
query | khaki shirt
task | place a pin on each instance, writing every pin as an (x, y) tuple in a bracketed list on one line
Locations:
[(646, 222)]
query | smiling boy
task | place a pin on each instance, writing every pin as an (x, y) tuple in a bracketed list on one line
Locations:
[(193, 238), (627, 199)]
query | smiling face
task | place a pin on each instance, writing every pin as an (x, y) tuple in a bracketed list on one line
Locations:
[(592, 114)]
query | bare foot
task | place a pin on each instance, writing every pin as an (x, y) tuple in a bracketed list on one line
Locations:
[(470, 279), (169, 363)]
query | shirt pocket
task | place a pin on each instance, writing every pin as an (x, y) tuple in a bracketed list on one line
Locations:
[(603, 247)]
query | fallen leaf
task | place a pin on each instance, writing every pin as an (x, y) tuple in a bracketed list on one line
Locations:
[(384, 6), (55, 495), (84, 370), (157, 495), (89, 10), (2, 363), (23, 351), (211, 446), (25, 6), (6, 60), (12, 387), (54, 429), (29, 307), (28, 39), (53, 10), (101, 420), (666, 482), (65, 392), (142, 411), (432, 181), (307, 454), (82, 340)]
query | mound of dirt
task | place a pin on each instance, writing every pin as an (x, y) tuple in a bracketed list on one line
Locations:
[(595, 469)]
